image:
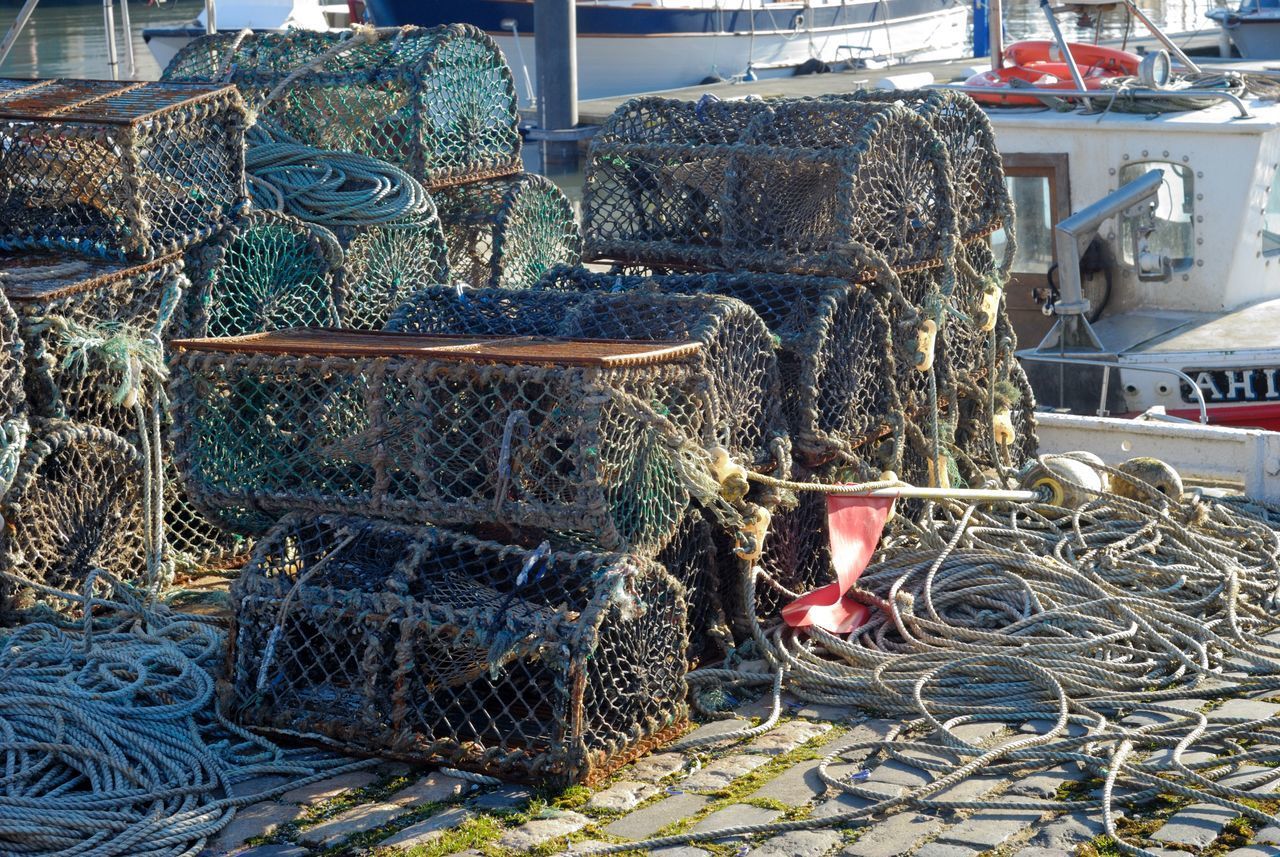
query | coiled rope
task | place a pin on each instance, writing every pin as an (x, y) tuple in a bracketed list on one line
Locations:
[(1034, 613), (110, 744), (327, 187)]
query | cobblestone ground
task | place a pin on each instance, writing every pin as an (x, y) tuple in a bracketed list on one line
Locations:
[(397, 809)]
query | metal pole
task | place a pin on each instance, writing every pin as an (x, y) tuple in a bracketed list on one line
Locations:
[(1061, 42), (127, 27), (109, 18), (24, 14), (555, 36), (210, 17), (995, 32), (1168, 43)]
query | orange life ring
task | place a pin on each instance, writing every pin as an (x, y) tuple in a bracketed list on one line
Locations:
[(1086, 56), (1038, 63)]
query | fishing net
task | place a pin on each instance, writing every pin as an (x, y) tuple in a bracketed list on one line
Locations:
[(438, 102), (86, 325), (795, 186), (977, 174), (835, 355), (433, 646), (697, 557), (384, 264), (737, 349), (196, 541), (76, 505), (14, 426), (268, 271), (592, 438), (118, 170), (507, 232)]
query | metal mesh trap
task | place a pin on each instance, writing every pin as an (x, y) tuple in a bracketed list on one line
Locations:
[(428, 645), (507, 232), (736, 348), (835, 355), (792, 186), (565, 436), (438, 102), (118, 170)]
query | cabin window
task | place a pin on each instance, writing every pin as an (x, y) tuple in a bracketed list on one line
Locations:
[(1271, 219), (1172, 217), (1037, 183), (1033, 223)]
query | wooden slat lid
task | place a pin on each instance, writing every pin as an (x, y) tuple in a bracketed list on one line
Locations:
[(533, 350), (103, 101), (37, 276)]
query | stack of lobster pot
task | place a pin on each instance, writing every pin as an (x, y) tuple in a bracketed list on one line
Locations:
[(478, 548), (857, 227), (378, 163), (103, 187), (438, 103)]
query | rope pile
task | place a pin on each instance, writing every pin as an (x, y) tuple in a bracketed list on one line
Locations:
[(112, 745), (1071, 617)]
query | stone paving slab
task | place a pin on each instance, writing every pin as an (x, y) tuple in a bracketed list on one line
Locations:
[(330, 788), (736, 815), (894, 836), (1250, 709), (425, 832), (645, 822), (722, 772), (1255, 851), (622, 796), (799, 843), (989, 828), (1197, 825), (656, 767), (259, 819), (540, 830), (787, 736)]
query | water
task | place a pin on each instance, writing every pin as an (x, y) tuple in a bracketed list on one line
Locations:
[(68, 41)]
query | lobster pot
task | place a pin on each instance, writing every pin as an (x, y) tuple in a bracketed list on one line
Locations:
[(977, 174), (194, 540), (736, 347), (507, 232), (14, 426), (796, 560), (438, 102), (80, 319), (655, 181), (699, 557), (835, 355), (118, 170), (809, 187), (267, 272), (996, 425), (75, 506), (587, 438), (383, 264), (436, 647)]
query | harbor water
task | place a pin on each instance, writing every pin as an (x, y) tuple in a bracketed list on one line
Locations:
[(68, 40)]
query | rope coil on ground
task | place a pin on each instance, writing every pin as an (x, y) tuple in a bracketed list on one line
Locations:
[(1071, 617)]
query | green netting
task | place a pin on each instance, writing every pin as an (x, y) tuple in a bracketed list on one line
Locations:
[(118, 170), (737, 349), (508, 232), (567, 437), (791, 186), (438, 102), (434, 646), (268, 271), (75, 506), (384, 264)]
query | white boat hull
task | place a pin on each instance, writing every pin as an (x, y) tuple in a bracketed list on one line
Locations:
[(612, 65)]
